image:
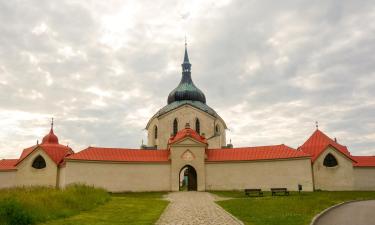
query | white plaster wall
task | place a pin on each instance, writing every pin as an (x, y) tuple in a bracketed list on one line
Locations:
[(336, 178), (61, 177), (259, 174), (119, 177), (7, 179), (364, 178), (186, 114), (28, 176)]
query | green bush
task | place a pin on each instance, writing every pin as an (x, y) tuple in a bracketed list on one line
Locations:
[(30, 205)]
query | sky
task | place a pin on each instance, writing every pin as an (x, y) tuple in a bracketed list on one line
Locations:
[(270, 69)]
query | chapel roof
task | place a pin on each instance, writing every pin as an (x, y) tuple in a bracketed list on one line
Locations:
[(8, 164), (318, 142), (120, 155), (186, 89), (254, 153), (187, 132), (364, 161)]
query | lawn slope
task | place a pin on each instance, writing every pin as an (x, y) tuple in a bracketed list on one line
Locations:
[(25, 206), (297, 209), (128, 208)]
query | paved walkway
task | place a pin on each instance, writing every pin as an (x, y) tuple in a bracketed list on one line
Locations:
[(195, 208), (354, 213)]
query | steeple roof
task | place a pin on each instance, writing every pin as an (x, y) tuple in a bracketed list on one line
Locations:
[(186, 90)]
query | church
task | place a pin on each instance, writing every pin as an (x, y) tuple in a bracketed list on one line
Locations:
[(187, 150)]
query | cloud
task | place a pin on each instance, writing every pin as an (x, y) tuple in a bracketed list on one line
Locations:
[(103, 69)]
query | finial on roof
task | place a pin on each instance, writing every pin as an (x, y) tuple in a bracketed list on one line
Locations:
[(185, 42), (37, 142), (230, 141), (52, 123), (317, 125)]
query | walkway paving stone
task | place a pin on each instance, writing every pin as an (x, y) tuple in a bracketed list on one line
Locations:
[(354, 213), (195, 208)]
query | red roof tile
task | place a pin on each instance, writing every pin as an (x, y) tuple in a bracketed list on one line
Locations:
[(318, 142), (8, 164), (121, 155), (56, 152), (254, 153), (187, 132), (364, 161)]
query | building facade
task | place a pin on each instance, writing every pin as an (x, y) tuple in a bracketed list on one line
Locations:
[(187, 150)]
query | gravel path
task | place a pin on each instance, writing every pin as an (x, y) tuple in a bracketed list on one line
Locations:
[(354, 213), (193, 208)]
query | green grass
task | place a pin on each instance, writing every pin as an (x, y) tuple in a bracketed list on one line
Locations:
[(126, 208), (296, 209), (38, 204)]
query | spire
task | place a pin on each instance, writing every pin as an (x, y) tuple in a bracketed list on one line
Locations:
[(52, 124), (50, 138), (186, 66)]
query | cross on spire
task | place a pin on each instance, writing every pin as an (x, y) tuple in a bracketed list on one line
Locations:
[(317, 125), (51, 123)]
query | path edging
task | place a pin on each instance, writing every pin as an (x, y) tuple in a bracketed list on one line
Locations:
[(229, 214), (317, 217)]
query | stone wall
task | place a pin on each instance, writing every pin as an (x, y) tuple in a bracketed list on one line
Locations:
[(7, 178), (119, 177), (259, 174), (28, 176), (336, 178), (364, 178)]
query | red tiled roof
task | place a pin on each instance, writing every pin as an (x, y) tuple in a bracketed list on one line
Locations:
[(318, 142), (8, 164), (364, 161), (56, 152), (254, 153), (187, 132), (121, 155)]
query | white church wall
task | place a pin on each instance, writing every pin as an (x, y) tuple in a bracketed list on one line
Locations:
[(259, 174), (28, 176), (338, 178), (7, 179), (119, 177), (364, 178), (185, 114)]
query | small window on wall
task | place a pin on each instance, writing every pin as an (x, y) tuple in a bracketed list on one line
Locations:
[(175, 127), (330, 161), (217, 129), (39, 163), (156, 132), (197, 126)]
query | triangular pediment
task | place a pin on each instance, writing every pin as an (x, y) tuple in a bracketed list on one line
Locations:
[(189, 142)]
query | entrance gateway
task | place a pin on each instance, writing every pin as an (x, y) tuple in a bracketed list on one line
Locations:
[(188, 178)]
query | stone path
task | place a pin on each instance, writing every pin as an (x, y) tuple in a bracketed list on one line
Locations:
[(194, 208), (354, 213)]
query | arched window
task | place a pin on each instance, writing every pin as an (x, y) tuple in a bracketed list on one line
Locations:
[(217, 129), (330, 161), (156, 132), (39, 162), (175, 126), (197, 126)]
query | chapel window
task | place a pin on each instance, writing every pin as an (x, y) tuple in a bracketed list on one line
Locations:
[(217, 129), (39, 163), (330, 161), (197, 126), (156, 132), (175, 126)]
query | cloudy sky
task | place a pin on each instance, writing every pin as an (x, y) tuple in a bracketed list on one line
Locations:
[(269, 68)]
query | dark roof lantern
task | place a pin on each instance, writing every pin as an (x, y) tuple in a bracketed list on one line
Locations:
[(186, 90)]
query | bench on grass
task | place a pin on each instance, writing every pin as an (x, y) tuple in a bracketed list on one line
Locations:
[(254, 192), (279, 190)]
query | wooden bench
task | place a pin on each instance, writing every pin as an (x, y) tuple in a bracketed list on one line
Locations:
[(279, 190), (256, 192)]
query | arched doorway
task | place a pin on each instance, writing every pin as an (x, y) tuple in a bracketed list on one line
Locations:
[(188, 178)]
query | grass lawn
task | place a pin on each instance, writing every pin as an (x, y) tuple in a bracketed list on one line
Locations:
[(127, 208), (31, 205), (296, 209)]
